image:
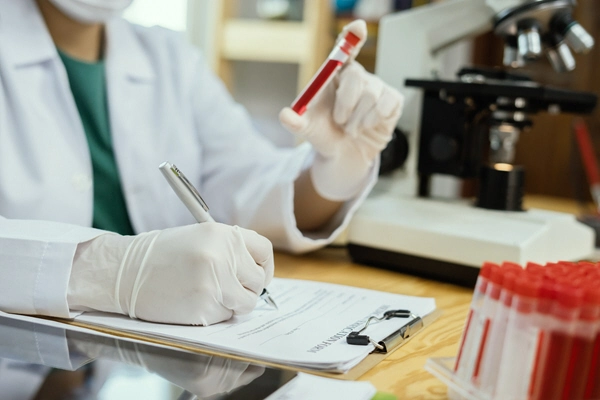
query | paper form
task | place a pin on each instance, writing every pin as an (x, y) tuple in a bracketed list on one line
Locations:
[(309, 329), (305, 386)]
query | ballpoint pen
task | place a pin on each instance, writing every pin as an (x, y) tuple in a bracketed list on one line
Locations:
[(190, 197)]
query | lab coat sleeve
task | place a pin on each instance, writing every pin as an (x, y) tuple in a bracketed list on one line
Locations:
[(247, 180), (35, 265)]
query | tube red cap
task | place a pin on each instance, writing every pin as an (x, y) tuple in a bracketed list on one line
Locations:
[(588, 263), (534, 268), (568, 263), (592, 294), (590, 311), (510, 279), (496, 274), (486, 269), (569, 296), (527, 287), (352, 38), (548, 290), (511, 266)]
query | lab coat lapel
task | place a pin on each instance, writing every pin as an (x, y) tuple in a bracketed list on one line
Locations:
[(132, 96), (41, 122), (29, 53), (25, 39)]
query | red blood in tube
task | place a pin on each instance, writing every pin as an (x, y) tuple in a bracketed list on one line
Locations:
[(322, 76), (581, 357), (583, 344), (550, 384), (481, 287), (325, 73), (484, 338), (592, 390), (462, 342), (546, 295), (555, 368), (592, 387)]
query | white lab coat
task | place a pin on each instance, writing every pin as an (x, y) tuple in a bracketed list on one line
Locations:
[(164, 104)]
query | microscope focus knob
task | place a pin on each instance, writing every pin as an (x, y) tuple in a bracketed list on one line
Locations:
[(443, 148)]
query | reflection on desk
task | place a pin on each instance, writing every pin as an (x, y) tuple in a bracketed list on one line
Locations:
[(42, 362)]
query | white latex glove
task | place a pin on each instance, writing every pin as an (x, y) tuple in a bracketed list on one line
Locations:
[(193, 275), (348, 124)]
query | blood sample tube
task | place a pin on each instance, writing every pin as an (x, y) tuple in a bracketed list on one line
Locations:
[(338, 56), (486, 321), (555, 351), (472, 332), (586, 329), (493, 351), (543, 319), (520, 342), (592, 390)]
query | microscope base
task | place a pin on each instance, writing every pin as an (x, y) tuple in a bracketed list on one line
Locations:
[(450, 241), (425, 267)]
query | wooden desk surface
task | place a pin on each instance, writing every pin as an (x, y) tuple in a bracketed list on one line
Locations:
[(402, 372)]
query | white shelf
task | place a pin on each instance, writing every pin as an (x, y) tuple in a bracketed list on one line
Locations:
[(269, 41)]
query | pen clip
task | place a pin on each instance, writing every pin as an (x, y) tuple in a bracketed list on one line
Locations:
[(189, 186)]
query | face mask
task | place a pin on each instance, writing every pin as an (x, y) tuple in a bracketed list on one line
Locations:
[(91, 11)]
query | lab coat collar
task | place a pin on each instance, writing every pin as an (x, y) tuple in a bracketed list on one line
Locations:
[(24, 38), (125, 53)]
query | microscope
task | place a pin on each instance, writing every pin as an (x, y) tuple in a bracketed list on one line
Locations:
[(468, 128)]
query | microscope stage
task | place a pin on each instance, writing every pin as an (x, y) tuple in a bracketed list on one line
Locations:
[(450, 240)]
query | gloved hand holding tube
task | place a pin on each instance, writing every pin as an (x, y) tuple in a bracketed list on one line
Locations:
[(198, 274), (349, 122)]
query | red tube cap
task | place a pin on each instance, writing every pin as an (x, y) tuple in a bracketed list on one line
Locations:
[(352, 38), (527, 287), (569, 296), (486, 269)]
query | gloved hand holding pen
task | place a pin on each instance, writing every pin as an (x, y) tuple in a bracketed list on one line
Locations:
[(349, 122), (198, 274)]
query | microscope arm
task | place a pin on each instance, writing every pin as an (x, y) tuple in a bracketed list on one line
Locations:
[(409, 46)]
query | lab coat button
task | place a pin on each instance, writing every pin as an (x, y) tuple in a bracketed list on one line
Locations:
[(81, 182)]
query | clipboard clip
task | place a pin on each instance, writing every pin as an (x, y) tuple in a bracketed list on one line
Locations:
[(394, 339)]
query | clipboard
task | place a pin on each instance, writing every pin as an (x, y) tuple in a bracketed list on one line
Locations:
[(394, 341)]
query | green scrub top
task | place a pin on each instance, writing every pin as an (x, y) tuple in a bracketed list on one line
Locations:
[(88, 85)]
